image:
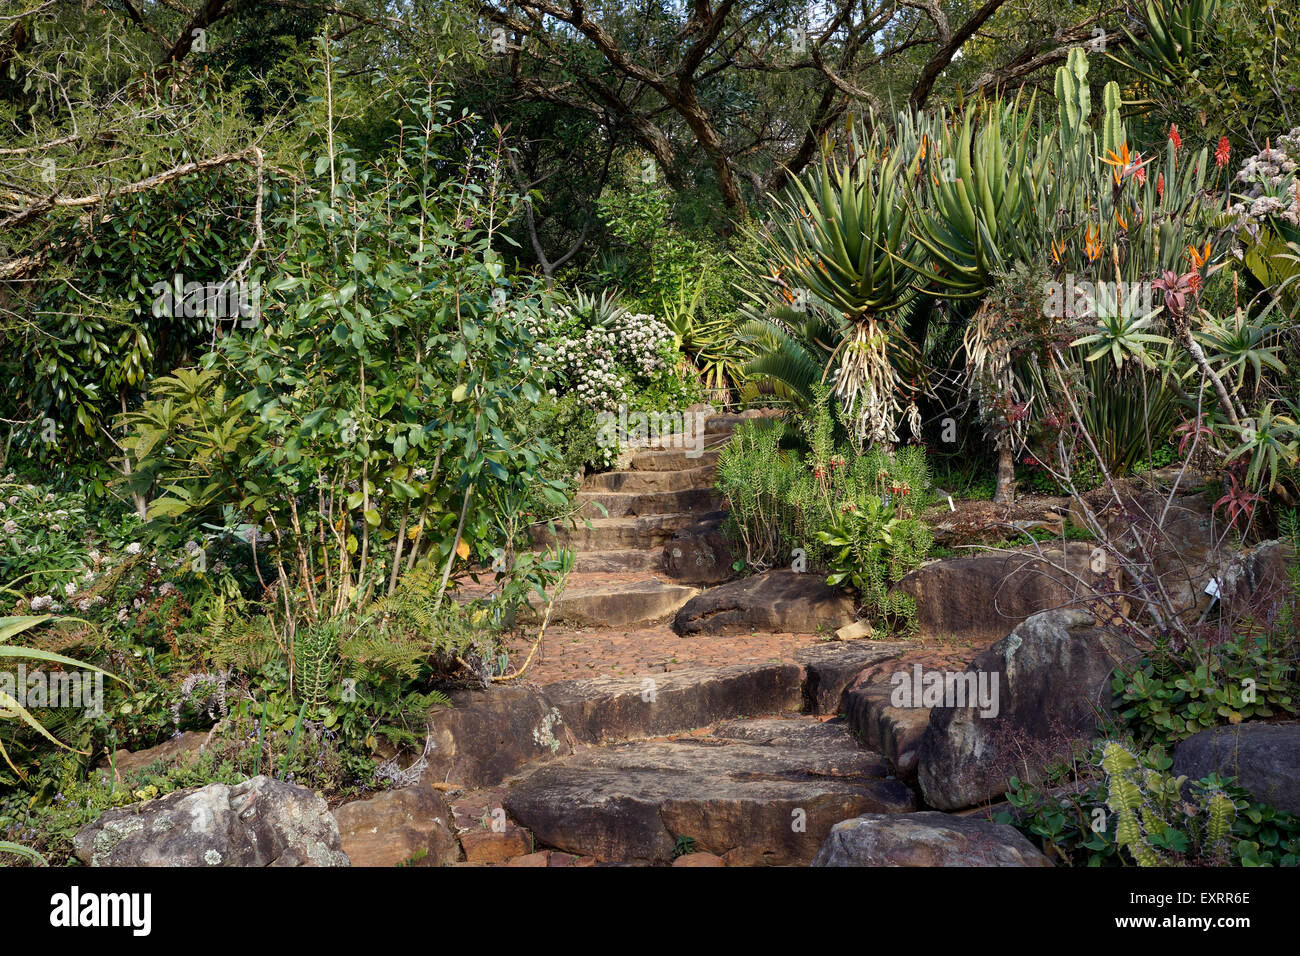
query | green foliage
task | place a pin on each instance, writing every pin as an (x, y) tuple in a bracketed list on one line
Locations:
[(1168, 697), (1169, 49), (976, 209), (855, 516), (1123, 806), (1252, 674), (327, 428), (653, 258), (683, 845), (843, 233), (791, 349)]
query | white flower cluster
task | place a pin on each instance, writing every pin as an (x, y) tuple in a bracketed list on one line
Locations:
[(640, 342), (591, 366), (1269, 185), (599, 363)]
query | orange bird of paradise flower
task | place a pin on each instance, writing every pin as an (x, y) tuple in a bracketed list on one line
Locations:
[(1092, 244), (1198, 257), (1125, 163)]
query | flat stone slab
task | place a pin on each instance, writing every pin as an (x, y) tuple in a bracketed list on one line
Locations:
[(606, 709), (926, 839), (617, 600), (776, 601), (830, 669), (868, 705), (490, 734), (598, 503), (700, 478), (611, 534), (617, 560), (755, 792), (674, 459)]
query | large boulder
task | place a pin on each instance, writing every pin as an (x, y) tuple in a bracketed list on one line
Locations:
[(777, 602), (926, 839), (1049, 683), (1184, 538), (396, 826), (700, 554), (1258, 575), (980, 597), (260, 822), (1265, 759)]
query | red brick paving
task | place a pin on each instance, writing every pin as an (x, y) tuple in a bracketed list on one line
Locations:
[(569, 653)]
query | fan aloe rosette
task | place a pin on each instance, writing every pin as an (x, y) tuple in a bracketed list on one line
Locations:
[(842, 233)]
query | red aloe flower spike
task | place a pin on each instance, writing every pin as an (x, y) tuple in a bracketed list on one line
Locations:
[(1223, 152)]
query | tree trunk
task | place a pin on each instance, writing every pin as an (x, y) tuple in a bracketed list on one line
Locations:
[(1006, 487)]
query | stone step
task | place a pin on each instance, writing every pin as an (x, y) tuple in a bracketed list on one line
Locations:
[(611, 534), (619, 504), (616, 600), (673, 459), (490, 734), (687, 479), (754, 792), (620, 559)]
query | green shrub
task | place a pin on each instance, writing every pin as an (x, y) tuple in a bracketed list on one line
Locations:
[(855, 517)]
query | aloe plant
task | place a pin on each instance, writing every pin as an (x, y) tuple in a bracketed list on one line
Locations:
[(977, 212), (707, 342), (1171, 40), (842, 233)]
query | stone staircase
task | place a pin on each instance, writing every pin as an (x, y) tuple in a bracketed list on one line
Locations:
[(750, 792), (622, 521)]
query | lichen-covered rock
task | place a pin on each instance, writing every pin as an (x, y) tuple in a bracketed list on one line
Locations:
[(926, 839), (260, 822), (487, 735), (1052, 680)]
